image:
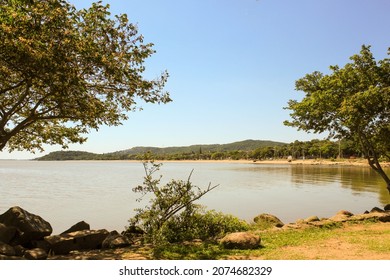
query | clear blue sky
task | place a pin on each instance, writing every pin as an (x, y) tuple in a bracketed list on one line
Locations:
[(233, 65)]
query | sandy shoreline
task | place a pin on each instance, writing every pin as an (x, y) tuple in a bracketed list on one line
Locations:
[(323, 162)]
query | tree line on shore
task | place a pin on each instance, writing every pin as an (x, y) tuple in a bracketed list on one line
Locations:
[(248, 150)]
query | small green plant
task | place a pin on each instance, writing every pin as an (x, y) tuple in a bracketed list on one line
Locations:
[(205, 225), (172, 205)]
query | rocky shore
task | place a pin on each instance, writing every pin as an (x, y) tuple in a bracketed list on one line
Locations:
[(24, 235)]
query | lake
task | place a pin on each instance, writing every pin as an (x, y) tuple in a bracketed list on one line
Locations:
[(100, 192)]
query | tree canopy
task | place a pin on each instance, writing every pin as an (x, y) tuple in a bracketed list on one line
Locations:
[(351, 103), (65, 71)]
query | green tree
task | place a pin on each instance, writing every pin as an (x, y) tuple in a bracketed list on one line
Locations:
[(351, 103), (64, 72)]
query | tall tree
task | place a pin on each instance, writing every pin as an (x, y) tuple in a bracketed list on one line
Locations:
[(65, 71), (352, 102)]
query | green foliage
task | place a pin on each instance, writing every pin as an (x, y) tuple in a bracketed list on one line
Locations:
[(170, 203), (310, 149), (351, 103), (208, 225), (64, 72), (204, 251)]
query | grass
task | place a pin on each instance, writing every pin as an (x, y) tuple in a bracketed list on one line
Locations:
[(363, 238)]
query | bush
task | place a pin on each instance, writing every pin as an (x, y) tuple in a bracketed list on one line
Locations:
[(204, 225), (172, 215)]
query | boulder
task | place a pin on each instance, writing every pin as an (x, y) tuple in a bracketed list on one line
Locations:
[(340, 217), (35, 254), (19, 250), (41, 244), (241, 240), (377, 210), (78, 240), (373, 216), (312, 219), (29, 226), (268, 220), (115, 240), (6, 233), (345, 213), (78, 227), (6, 250), (387, 207), (133, 230)]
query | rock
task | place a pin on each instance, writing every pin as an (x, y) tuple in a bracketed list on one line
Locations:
[(6, 250), (345, 213), (268, 220), (296, 225), (29, 226), (41, 244), (35, 254), (374, 216), (312, 219), (241, 240), (79, 240), (115, 240), (4, 257), (340, 218), (387, 207), (377, 210), (7, 233), (133, 230), (326, 223), (19, 250), (78, 227)]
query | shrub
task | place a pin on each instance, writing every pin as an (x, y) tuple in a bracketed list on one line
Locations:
[(204, 225), (170, 203)]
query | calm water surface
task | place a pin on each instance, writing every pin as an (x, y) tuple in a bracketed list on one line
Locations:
[(100, 192)]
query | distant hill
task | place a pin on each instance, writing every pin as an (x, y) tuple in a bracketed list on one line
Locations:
[(247, 145)]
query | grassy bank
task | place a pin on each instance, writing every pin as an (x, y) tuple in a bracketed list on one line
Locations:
[(365, 240)]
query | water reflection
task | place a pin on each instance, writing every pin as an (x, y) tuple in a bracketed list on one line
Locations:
[(359, 179)]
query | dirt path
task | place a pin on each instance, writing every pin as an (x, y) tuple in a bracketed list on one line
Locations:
[(352, 242)]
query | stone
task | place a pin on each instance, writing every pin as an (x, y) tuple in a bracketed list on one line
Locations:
[(345, 213), (312, 219), (387, 207), (78, 240), (19, 250), (78, 227), (241, 240), (268, 219), (41, 244), (7, 233), (6, 250), (115, 240), (29, 226), (374, 216), (133, 230), (340, 218), (35, 254), (377, 210)]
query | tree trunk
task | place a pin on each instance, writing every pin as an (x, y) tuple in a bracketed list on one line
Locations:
[(372, 158)]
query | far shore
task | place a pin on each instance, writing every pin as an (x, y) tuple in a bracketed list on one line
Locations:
[(325, 162)]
